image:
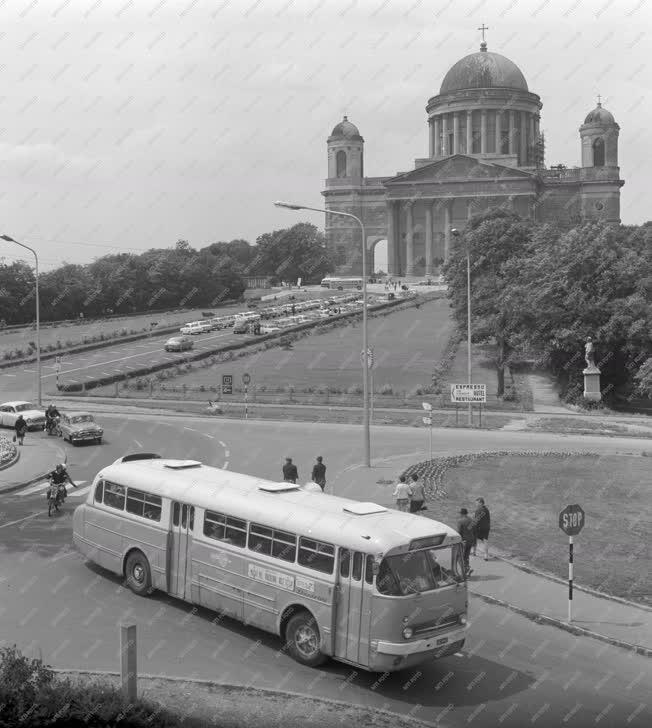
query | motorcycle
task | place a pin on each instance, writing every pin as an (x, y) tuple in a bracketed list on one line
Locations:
[(52, 426), (56, 494)]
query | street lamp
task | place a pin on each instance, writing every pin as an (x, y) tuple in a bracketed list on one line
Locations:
[(456, 234), (365, 375), (38, 318)]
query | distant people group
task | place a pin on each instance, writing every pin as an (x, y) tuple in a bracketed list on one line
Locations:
[(291, 473)]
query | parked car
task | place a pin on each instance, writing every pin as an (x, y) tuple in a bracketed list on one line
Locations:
[(241, 327), (179, 343), (196, 327), (269, 329), (10, 411), (80, 427)]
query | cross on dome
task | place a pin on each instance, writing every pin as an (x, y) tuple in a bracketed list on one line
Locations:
[(483, 45), (599, 100)]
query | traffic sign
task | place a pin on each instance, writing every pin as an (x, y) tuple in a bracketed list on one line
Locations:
[(427, 420), (468, 392), (370, 358), (571, 520), (246, 378), (426, 406), (227, 384)]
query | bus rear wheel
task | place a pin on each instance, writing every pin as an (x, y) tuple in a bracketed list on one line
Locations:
[(139, 574), (303, 639)]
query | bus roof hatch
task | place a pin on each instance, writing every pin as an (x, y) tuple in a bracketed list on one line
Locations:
[(278, 487), (181, 464), (364, 509)]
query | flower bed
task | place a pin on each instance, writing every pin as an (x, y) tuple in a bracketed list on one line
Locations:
[(7, 450)]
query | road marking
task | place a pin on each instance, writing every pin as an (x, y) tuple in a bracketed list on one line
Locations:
[(20, 520), (226, 453), (207, 435), (10, 375), (34, 488), (137, 443), (29, 371), (226, 465), (192, 429), (79, 492), (222, 444)]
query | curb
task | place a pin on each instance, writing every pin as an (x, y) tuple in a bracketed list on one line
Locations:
[(11, 462), (579, 631), (261, 691), (18, 486)]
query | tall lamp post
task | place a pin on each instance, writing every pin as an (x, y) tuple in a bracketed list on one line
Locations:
[(365, 374), (456, 234), (38, 316)]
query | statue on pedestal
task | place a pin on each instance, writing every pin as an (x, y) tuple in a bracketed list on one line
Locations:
[(589, 353), (591, 373)]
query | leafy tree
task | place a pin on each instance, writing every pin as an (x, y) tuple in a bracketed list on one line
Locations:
[(17, 291), (296, 252)]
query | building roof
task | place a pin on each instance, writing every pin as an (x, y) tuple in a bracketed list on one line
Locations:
[(599, 116), (297, 510), (483, 70), (345, 130)]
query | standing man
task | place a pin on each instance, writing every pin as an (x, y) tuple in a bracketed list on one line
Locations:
[(402, 493), (482, 524), (21, 429), (418, 497), (319, 473), (465, 529), (290, 472)]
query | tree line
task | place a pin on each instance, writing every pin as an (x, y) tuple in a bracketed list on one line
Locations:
[(538, 292), (161, 278)]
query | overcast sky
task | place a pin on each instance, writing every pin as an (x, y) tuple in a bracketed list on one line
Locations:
[(128, 124)]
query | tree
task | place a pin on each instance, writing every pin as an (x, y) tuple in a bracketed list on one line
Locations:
[(292, 253), (17, 291)]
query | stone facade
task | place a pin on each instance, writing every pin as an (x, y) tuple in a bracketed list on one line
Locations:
[(485, 150)]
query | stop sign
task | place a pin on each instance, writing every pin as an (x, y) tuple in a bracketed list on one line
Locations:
[(571, 520)]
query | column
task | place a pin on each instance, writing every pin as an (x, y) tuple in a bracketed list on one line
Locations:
[(469, 133), (511, 132), (409, 239), (444, 135), (391, 238), (483, 131), (456, 133), (428, 204), (431, 140), (533, 139), (523, 140), (499, 131), (447, 228), (437, 132)]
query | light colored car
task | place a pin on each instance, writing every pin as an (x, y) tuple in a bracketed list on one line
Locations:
[(11, 411), (80, 427), (179, 343), (269, 329), (197, 327)]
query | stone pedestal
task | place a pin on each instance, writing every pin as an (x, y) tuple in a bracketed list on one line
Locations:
[(592, 384)]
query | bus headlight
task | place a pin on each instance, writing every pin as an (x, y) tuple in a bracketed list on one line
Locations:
[(408, 632), (462, 618)]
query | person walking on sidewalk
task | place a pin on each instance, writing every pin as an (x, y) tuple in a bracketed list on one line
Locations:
[(402, 493), (482, 524), (290, 472), (319, 473), (21, 429), (465, 529), (418, 497)]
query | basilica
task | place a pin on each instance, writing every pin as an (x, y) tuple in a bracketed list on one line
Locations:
[(485, 150)]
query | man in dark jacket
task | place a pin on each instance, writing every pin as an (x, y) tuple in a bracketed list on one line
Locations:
[(482, 524), (21, 429), (319, 473), (290, 473), (465, 529)]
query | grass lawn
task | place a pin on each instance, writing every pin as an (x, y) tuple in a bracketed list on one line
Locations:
[(525, 495), (406, 346), (577, 426)]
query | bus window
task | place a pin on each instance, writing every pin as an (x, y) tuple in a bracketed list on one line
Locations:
[(144, 504), (114, 495), (99, 491), (316, 555), (284, 546), (224, 528), (357, 566), (345, 563), (369, 570), (260, 539), (175, 514), (419, 571), (184, 516), (191, 521)]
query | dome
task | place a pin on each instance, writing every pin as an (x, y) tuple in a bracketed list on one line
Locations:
[(599, 116), (483, 70), (345, 130)]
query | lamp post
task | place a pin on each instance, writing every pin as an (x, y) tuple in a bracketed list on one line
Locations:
[(456, 234), (38, 316), (365, 364)]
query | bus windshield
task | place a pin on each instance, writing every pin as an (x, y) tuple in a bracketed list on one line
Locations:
[(420, 571)]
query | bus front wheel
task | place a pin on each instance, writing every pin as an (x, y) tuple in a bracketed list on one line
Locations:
[(139, 574), (302, 638)]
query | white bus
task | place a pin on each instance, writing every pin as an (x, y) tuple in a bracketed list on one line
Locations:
[(373, 587), (342, 283)]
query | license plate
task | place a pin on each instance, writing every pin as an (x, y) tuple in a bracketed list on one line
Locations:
[(442, 641)]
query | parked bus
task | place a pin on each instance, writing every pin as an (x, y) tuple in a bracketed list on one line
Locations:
[(376, 588), (341, 283)]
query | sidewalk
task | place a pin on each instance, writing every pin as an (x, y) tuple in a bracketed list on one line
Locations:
[(38, 456), (540, 597)]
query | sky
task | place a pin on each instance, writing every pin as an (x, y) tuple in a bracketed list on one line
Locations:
[(130, 124)]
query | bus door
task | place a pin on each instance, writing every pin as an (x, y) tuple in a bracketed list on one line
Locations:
[(353, 615), (180, 560)]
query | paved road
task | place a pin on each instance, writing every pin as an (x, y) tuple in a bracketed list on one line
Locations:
[(512, 672)]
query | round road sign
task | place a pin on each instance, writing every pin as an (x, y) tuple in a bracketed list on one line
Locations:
[(370, 358), (571, 520), (246, 378)]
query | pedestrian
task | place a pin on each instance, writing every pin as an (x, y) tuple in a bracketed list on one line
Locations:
[(481, 525), (21, 429), (466, 531), (319, 473), (290, 473), (418, 497), (402, 493)]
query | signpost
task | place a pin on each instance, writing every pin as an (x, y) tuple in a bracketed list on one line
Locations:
[(428, 421), (370, 366), (246, 378), (571, 522), (227, 384), (469, 393), (57, 367)]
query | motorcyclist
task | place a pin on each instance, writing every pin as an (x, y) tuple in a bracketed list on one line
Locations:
[(59, 476), (50, 414)]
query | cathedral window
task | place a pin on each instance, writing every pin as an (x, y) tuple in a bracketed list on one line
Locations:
[(340, 163), (598, 152)]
